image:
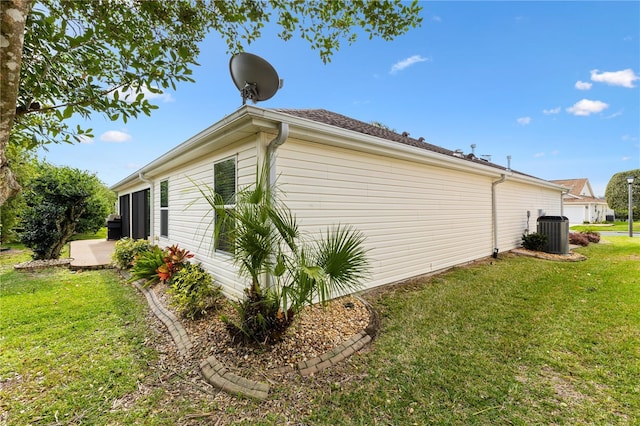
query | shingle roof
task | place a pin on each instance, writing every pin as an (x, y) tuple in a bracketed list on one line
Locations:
[(342, 121), (348, 123), (575, 185)]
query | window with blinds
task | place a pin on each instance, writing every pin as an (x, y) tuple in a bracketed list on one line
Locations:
[(225, 185)]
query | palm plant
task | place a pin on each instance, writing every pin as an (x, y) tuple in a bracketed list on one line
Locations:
[(146, 265), (286, 268)]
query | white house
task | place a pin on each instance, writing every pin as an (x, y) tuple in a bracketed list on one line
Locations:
[(580, 203), (422, 208)]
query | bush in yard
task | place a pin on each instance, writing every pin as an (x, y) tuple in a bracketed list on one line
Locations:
[(578, 238), (534, 241), (593, 237), (147, 264), (59, 202), (192, 291), (126, 250), (174, 259)]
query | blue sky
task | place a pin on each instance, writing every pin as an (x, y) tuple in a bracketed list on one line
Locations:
[(553, 84)]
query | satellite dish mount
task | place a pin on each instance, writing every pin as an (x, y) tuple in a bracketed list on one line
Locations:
[(256, 79)]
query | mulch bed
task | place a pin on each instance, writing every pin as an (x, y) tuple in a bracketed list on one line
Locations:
[(314, 331)]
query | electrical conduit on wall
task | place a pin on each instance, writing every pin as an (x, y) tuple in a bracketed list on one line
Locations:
[(494, 213)]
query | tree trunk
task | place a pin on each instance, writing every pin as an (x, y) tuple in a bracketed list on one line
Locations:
[(13, 18)]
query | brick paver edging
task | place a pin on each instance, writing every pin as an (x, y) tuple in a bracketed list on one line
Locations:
[(217, 374), (346, 349), (177, 331)]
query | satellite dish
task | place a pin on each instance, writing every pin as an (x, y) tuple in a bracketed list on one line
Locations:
[(254, 77)]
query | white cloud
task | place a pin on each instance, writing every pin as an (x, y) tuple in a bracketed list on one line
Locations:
[(551, 111), (436, 18), (131, 94), (133, 166), (538, 154), (523, 121), (624, 78), (555, 152), (405, 63), (85, 139), (586, 107), (583, 85), (626, 158), (628, 138), (115, 136)]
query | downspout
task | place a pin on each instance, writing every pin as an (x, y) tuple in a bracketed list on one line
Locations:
[(494, 213), (281, 138), (151, 204)]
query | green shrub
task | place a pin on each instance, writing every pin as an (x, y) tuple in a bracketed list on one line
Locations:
[(174, 259), (126, 251), (260, 318), (192, 291), (534, 241), (147, 264)]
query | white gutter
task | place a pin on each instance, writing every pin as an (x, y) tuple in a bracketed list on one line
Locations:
[(151, 204), (281, 138), (562, 194), (494, 213)]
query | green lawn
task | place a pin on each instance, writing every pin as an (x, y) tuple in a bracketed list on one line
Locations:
[(617, 226), (515, 340), (71, 344), (518, 341), (100, 235)]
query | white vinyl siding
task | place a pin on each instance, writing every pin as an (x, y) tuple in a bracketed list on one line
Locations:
[(514, 199), (419, 215), (190, 223), (417, 218)]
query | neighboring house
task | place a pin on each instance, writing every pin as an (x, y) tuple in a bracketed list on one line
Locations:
[(422, 208), (580, 203)]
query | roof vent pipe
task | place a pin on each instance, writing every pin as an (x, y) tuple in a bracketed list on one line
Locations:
[(473, 148), (508, 163)]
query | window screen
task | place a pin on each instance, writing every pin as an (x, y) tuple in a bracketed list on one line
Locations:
[(164, 208), (224, 183)]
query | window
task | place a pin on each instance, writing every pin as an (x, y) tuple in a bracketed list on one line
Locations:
[(224, 184), (164, 208)]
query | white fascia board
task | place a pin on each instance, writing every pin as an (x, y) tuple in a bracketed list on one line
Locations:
[(332, 135), (229, 129)]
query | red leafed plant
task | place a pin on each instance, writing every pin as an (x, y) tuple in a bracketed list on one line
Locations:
[(173, 261)]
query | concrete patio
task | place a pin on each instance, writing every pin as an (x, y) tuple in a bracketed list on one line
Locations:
[(91, 254)]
